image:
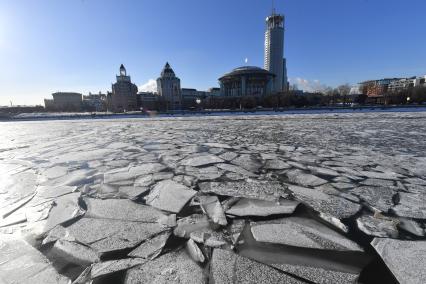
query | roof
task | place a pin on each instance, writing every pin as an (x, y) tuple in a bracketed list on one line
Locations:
[(167, 70), (244, 70)]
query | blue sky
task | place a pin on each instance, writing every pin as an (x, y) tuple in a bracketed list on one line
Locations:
[(78, 45)]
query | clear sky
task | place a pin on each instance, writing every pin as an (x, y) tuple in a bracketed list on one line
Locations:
[(78, 45)]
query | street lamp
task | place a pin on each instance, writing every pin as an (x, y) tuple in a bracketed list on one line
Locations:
[(198, 101), (408, 100)]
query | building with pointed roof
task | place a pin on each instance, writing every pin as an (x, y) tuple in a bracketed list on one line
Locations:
[(168, 88), (124, 93)]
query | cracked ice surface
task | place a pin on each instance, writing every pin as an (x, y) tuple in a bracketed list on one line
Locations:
[(146, 199)]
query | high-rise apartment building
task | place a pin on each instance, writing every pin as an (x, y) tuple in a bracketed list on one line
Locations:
[(274, 60)]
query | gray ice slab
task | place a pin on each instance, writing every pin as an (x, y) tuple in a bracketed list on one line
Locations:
[(276, 164), (263, 190), (151, 248), (144, 181), (411, 205), (105, 268), (381, 175), (236, 169), (174, 267), (412, 227), (209, 237), (235, 229), (254, 207), (204, 174), (21, 263), (212, 207), (110, 235), (301, 232), (247, 162), (65, 208), (129, 238), (405, 259), (317, 274), (121, 209), (379, 198), (194, 251), (192, 223), (417, 181), (167, 221), (201, 160), (73, 178), (228, 267), (343, 185), (323, 171), (132, 192), (378, 227), (59, 232), (147, 168), (170, 196), (228, 156), (304, 179), (378, 182), (74, 253), (54, 191), (217, 145), (331, 205)]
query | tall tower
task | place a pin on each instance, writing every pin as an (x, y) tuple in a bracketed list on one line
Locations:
[(168, 87), (124, 93), (274, 51)]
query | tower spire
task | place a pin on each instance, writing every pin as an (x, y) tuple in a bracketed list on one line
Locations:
[(273, 7)]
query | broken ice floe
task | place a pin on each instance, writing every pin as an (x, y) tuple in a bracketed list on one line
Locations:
[(405, 259), (253, 207), (258, 175), (173, 267), (262, 190), (301, 232), (169, 196)]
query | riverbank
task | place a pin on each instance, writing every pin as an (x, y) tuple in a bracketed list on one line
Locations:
[(263, 111)]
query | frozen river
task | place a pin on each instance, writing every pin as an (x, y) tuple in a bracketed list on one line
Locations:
[(303, 198)]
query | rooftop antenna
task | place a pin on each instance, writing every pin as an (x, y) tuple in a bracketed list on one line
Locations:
[(273, 7)]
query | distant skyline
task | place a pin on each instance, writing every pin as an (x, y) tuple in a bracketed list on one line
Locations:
[(78, 45)]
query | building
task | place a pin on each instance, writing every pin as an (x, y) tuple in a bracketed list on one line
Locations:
[(381, 87), (420, 81), (191, 98), (148, 100), (95, 102), (124, 93), (401, 84), (274, 60), (213, 92), (193, 94), (376, 88), (168, 87), (65, 101), (48, 104), (246, 81)]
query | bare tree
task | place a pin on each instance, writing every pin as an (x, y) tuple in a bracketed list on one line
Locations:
[(344, 91)]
